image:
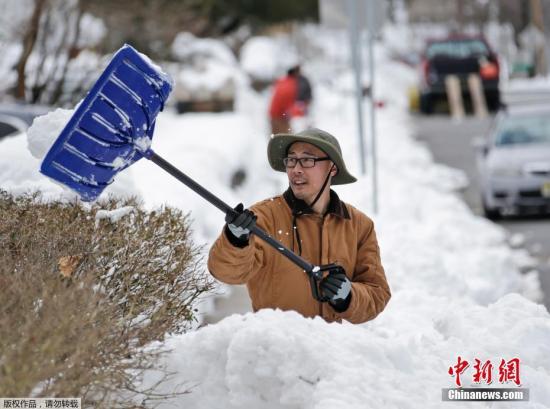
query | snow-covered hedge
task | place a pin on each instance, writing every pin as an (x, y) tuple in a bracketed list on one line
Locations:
[(84, 289)]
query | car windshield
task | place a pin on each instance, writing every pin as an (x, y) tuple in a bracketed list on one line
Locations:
[(457, 49), (533, 128)]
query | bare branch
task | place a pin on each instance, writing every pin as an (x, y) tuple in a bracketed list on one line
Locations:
[(28, 45)]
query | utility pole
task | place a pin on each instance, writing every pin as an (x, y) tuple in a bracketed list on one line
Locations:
[(374, 177), (352, 10)]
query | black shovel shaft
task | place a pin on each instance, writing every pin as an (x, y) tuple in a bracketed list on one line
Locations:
[(186, 180), (224, 207)]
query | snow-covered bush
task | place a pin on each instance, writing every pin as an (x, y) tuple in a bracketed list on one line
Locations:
[(41, 40), (266, 58), (84, 290), (207, 74)]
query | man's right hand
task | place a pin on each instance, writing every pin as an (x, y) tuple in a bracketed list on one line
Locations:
[(240, 221)]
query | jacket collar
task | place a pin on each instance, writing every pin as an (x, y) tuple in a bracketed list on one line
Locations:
[(299, 207)]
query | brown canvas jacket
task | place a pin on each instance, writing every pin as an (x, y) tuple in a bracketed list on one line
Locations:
[(344, 236)]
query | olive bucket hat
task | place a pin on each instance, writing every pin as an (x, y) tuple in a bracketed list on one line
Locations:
[(279, 143)]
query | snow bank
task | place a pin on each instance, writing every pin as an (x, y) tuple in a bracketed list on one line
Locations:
[(211, 77), (209, 66), (276, 359), (186, 47), (266, 58)]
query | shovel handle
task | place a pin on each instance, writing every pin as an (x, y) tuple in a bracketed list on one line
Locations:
[(310, 269)]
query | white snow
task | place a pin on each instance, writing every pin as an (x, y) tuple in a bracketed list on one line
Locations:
[(208, 66), (265, 58), (10, 54), (211, 76), (157, 68), (187, 47), (529, 84), (456, 283), (119, 162), (143, 143), (517, 240), (114, 215), (280, 360), (45, 129), (92, 31)]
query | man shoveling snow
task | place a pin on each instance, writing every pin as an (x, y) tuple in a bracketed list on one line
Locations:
[(310, 219)]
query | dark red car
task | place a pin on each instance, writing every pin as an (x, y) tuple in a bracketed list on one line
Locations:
[(460, 56)]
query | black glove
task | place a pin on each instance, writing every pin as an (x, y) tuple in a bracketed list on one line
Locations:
[(336, 287), (239, 225)]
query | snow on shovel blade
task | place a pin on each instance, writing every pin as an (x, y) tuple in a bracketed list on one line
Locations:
[(113, 126)]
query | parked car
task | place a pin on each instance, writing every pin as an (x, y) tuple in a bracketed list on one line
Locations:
[(10, 125), (514, 162), (15, 118), (460, 56)]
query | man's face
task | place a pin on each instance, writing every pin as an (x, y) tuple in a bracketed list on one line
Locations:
[(307, 182)]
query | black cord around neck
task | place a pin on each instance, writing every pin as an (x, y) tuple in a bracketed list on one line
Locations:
[(296, 214), (322, 188)]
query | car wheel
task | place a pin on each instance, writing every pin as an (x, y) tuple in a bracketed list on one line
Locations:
[(426, 104), (491, 213)]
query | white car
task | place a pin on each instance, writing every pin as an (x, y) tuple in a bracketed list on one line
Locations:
[(514, 162)]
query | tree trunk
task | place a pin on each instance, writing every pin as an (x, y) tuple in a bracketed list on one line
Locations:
[(28, 44)]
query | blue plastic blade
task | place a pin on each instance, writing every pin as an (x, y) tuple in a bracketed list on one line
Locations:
[(112, 128)]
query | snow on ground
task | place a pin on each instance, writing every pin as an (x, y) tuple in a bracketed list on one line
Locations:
[(280, 360), (457, 289), (529, 84), (266, 58)]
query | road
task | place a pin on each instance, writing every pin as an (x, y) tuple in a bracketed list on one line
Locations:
[(451, 143)]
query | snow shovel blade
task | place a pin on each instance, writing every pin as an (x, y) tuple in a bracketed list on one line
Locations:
[(112, 127)]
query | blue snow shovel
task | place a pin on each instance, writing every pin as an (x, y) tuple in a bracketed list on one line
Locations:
[(113, 127)]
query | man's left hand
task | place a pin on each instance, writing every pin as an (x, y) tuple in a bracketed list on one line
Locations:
[(336, 287)]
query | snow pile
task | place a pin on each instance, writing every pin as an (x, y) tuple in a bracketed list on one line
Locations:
[(209, 66), (207, 77), (280, 360), (186, 47), (266, 58), (45, 129)]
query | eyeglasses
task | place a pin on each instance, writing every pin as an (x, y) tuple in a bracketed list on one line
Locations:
[(304, 162)]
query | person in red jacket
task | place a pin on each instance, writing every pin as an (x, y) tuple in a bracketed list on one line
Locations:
[(283, 101)]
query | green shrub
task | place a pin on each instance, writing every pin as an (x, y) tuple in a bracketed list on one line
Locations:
[(81, 295)]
